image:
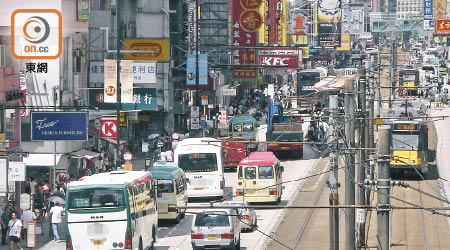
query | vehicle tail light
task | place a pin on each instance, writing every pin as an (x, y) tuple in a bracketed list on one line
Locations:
[(272, 191), (239, 183), (68, 242), (222, 184), (244, 217), (239, 192), (128, 244), (226, 236), (172, 208), (196, 236)]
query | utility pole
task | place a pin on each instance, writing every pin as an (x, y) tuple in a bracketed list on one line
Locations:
[(350, 165), (372, 103), (53, 172), (383, 188), (379, 83), (361, 171), (119, 31), (333, 178)]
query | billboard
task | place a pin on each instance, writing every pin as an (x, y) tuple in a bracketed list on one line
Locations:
[(143, 72), (286, 58), (329, 16), (428, 9), (353, 19), (160, 49), (442, 27), (202, 70), (59, 126), (439, 9)]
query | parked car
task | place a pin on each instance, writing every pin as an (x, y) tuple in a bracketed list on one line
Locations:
[(216, 228), (249, 221)]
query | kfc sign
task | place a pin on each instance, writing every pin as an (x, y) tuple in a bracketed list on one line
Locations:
[(285, 61), (108, 128)]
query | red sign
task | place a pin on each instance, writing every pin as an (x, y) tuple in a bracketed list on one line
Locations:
[(442, 27), (60, 175), (299, 28), (108, 128), (23, 101), (250, 4), (250, 20), (284, 61)]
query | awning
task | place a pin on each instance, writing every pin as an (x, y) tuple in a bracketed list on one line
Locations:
[(85, 153), (114, 140), (45, 160)]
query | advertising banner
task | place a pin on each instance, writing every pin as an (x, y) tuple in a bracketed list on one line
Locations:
[(428, 9), (143, 99), (143, 72), (110, 76), (126, 81), (59, 126), (329, 17), (245, 22), (439, 9), (190, 69), (442, 27), (83, 10), (203, 69), (159, 48), (353, 19), (23, 89)]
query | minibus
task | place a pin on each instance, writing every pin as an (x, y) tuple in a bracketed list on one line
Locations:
[(113, 210), (170, 182), (259, 178)]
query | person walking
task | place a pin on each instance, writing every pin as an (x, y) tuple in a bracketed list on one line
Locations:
[(14, 231), (27, 216), (56, 213), (5, 220)]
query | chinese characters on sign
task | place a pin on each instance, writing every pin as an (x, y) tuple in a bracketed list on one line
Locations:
[(143, 72), (246, 21), (110, 86), (299, 28), (442, 27), (36, 67), (428, 9), (353, 19), (439, 8)]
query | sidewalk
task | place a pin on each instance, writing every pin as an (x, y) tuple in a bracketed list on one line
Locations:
[(44, 241)]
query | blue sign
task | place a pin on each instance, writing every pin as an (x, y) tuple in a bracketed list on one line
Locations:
[(59, 126), (191, 66), (428, 9)]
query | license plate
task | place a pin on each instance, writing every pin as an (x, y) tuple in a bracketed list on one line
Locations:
[(284, 147), (98, 242), (212, 236), (198, 188)]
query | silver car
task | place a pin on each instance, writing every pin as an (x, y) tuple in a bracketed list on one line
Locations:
[(249, 221), (216, 229)]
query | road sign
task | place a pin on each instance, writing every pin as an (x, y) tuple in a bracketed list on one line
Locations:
[(127, 156), (378, 121), (108, 128), (205, 100), (195, 111), (195, 123)]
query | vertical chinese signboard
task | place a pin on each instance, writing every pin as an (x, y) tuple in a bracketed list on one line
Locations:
[(440, 7), (329, 16), (442, 27), (246, 21), (110, 88), (126, 81), (427, 14), (353, 19)]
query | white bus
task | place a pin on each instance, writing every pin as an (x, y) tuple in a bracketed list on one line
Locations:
[(114, 210), (202, 161)]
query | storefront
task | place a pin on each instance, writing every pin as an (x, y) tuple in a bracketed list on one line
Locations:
[(83, 159), (40, 166)]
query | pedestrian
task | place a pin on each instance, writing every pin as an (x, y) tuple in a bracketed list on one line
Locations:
[(14, 231), (33, 186), (56, 213), (27, 216), (5, 220)]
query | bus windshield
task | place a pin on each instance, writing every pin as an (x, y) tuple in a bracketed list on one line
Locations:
[(198, 162), (248, 127), (165, 186), (96, 198), (409, 78), (405, 141)]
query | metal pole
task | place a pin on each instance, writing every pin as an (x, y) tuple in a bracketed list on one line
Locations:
[(53, 175), (372, 104), (333, 179), (379, 84), (383, 187), (350, 165), (362, 153), (197, 78), (119, 30)]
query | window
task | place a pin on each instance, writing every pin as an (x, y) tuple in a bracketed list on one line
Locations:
[(237, 128), (216, 219), (265, 172), (198, 162), (250, 173), (96, 197), (248, 127), (240, 173), (405, 141), (165, 186)]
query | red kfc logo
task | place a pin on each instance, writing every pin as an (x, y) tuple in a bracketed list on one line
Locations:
[(108, 128)]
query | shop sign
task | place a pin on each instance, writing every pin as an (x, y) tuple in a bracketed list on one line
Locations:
[(285, 61), (16, 171), (353, 19), (59, 126), (143, 99), (60, 175), (442, 27), (143, 72), (3, 175), (108, 128), (159, 49), (428, 9)]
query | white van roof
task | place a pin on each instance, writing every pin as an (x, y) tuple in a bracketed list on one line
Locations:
[(110, 178)]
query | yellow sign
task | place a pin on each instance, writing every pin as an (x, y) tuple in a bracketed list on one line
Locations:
[(144, 118), (345, 43), (159, 49), (2, 137), (378, 121), (305, 52), (128, 167)]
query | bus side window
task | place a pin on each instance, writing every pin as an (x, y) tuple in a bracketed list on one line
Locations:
[(239, 172)]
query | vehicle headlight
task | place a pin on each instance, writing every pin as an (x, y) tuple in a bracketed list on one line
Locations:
[(411, 161)]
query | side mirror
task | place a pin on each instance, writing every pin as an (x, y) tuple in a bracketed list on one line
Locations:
[(282, 168), (187, 180)]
